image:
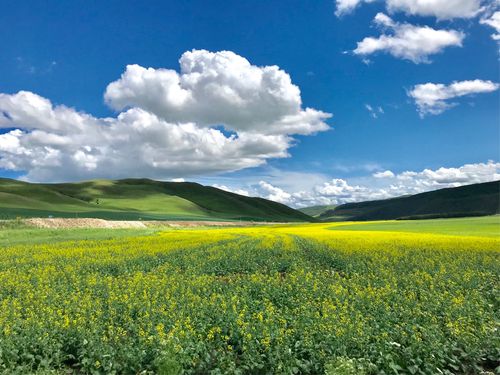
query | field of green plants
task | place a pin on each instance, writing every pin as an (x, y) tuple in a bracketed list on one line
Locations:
[(289, 299)]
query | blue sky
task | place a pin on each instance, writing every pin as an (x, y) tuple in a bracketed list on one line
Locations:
[(68, 53)]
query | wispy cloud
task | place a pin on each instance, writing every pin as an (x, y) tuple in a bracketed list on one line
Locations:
[(374, 112), (27, 67), (435, 98), (406, 41)]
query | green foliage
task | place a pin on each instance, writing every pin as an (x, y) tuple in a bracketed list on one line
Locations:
[(472, 226), (348, 366), (167, 364), (16, 223), (281, 300), (13, 234)]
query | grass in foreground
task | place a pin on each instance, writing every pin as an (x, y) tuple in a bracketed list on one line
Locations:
[(476, 226), (31, 236), (282, 300)]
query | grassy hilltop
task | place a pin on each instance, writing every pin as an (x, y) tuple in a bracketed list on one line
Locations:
[(316, 211), (134, 199)]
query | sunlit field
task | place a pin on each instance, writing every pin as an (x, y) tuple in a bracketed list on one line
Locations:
[(287, 299)]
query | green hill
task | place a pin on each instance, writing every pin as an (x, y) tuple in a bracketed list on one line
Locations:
[(134, 199), (471, 200), (316, 211)]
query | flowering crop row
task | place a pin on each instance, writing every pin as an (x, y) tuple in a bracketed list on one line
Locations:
[(276, 300)]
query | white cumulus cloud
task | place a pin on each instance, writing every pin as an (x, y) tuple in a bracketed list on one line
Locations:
[(347, 6), (169, 125), (274, 193), (409, 42), (235, 191), (381, 185), (434, 98), (220, 88), (451, 177), (384, 174), (441, 9)]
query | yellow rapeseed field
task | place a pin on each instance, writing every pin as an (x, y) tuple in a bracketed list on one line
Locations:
[(289, 299)]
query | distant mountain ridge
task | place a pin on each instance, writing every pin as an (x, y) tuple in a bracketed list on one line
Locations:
[(316, 211), (135, 199), (469, 200)]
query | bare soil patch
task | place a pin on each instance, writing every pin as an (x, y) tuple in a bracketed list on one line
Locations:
[(62, 223)]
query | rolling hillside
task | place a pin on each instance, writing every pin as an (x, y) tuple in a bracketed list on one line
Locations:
[(316, 211), (471, 200), (134, 199)]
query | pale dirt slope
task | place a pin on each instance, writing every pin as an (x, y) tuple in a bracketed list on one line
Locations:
[(56, 223)]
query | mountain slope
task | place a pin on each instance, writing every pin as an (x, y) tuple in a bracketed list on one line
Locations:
[(132, 199), (470, 200), (316, 211)]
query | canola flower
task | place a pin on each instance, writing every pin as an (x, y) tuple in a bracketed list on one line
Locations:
[(288, 299)]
